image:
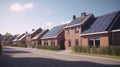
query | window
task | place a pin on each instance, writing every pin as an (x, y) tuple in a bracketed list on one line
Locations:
[(34, 43), (94, 42), (76, 41), (91, 42), (52, 42), (76, 30), (69, 31), (97, 42), (45, 42), (69, 43)]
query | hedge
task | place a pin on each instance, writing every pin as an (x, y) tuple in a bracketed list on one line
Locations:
[(50, 47), (16, 45), (105, 50)]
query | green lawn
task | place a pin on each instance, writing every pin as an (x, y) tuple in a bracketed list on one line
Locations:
[(98, 55)]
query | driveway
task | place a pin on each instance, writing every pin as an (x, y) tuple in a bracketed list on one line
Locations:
[(29, 57)]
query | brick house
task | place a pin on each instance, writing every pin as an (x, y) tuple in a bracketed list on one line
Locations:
[(21, 40), (54, 37), (29, 37), (74, 28), (10, 40), (37, 39), (6, 39), (15, 41), (104, 31)]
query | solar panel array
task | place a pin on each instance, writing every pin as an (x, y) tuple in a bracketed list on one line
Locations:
[(22, 37), (40, 34), (76, 21), (117, 24), (53, 32), (36, 32), (101, 23)]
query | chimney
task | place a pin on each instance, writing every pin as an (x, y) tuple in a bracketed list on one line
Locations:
[(74, 17), (33, 29), (26, 32), (83, 14)]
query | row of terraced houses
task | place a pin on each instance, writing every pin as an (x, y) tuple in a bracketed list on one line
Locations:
[(85, 30)]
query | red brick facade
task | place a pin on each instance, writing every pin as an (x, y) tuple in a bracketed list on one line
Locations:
[(104, 40), (72, 36), (28, 40), (59, 40)]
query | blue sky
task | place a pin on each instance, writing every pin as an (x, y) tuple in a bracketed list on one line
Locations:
[(19, 16)]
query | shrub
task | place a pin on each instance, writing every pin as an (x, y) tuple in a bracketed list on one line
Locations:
[(94, 50), (15, 45), (106, 50), (83, 49), (75, 49), (102, 50), (22, 45), (115, 50), (88, 49)]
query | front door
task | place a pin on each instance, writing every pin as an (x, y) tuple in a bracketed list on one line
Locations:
[(62, 45)]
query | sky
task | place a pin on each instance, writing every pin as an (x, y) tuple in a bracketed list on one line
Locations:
[(19, 16)]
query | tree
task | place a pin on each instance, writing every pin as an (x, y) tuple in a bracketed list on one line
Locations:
[(7, 34)]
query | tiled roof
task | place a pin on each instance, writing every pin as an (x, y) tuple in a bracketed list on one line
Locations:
[(101, 23), (40, 34), (53, 32)]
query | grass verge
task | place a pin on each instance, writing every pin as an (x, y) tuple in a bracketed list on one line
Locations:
[(97, 55)]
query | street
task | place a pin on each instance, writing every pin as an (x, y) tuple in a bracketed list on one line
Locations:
[(31, 57)]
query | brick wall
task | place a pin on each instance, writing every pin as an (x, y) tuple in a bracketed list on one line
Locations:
[(49, 41), (104, 40), (72, 36), (28, 41)]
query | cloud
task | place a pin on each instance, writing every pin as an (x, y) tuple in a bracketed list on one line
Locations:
[(66, 22), (18, 7), (49, 24)]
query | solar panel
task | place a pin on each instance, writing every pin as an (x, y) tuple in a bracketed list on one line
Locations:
[(39, 35), (53, 32), (117, 24), (101, 24), (76, 21)]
